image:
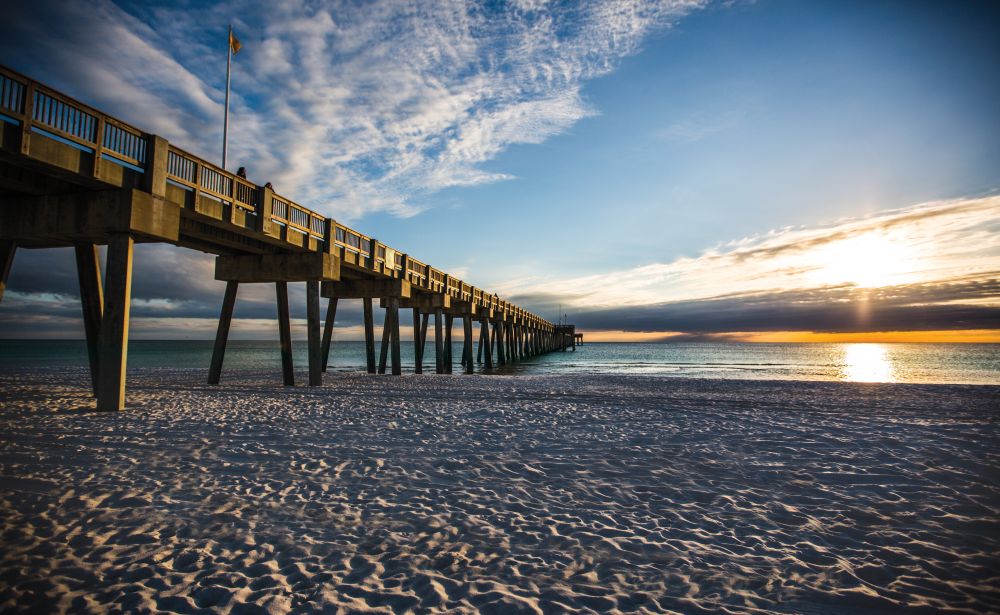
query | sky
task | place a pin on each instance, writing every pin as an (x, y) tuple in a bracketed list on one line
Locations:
[(679, 170)]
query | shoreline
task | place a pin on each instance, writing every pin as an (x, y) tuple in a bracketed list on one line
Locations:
[(195, 377), (531, 493)]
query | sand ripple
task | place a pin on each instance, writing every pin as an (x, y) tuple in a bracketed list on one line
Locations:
[(499, 494)]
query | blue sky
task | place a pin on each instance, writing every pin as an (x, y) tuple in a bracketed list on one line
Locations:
[(532, 146)]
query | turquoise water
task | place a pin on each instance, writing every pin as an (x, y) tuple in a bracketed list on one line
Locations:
[(929, 363)]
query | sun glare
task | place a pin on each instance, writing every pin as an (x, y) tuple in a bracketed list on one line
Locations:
[(867, 261), (866, 363)]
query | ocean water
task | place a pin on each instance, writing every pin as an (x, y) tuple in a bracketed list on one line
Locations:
[(924, 363)]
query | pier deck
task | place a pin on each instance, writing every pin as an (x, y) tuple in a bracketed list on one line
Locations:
[(71, 175)]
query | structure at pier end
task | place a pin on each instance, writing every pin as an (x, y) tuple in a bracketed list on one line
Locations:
[(71, 175)]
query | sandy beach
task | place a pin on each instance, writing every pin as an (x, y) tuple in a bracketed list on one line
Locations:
[(498, 494)]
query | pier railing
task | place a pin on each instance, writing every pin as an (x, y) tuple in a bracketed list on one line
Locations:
[(208, 189)]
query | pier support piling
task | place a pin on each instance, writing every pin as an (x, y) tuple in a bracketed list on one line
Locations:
[(285, 333), (383, 353), (222, 333), (313, 333), (369, 335), (485, 325), (423, 334), (482, 340), (88, 270), (397, 367), (418, 347), (467, 343), (331, 316), (448, 321), (438, 342), (498, 334), (114, 323), (7, 249)]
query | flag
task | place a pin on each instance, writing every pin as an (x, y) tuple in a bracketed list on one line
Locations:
[(234, 43)]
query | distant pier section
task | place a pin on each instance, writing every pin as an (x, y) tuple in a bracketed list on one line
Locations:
[(73, 176)]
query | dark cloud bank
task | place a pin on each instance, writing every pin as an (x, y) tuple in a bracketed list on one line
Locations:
[(952, 305), (42, 301)]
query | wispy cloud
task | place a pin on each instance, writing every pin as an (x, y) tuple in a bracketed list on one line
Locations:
[(924, 243), (698, 126), (348, 107)]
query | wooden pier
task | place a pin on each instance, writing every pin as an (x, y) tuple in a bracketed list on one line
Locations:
[(71, 175)]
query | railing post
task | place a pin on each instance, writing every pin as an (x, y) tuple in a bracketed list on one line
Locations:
[(98, 146), (29, 115), (154, 181), (264, 205), (329, 229), (197, 187), (372, 246)]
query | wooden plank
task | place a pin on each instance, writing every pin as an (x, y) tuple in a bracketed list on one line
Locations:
[(331, 315), (222, 333), (7, 250), (88, 270), (369, 335), (313, 333), (285, 333), (114, 324)]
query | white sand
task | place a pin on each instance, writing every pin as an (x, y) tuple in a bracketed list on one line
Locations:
[(499, 494)]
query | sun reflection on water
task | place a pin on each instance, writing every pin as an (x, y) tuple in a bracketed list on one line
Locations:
[(866, 363)]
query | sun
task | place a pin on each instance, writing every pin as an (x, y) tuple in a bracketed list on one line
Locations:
[(870, 260)]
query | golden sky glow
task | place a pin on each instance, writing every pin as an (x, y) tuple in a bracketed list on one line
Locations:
[(924, 243), (869, 260), (969, 336)]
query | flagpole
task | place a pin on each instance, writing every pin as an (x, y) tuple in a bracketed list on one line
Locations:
[(229, 64)]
